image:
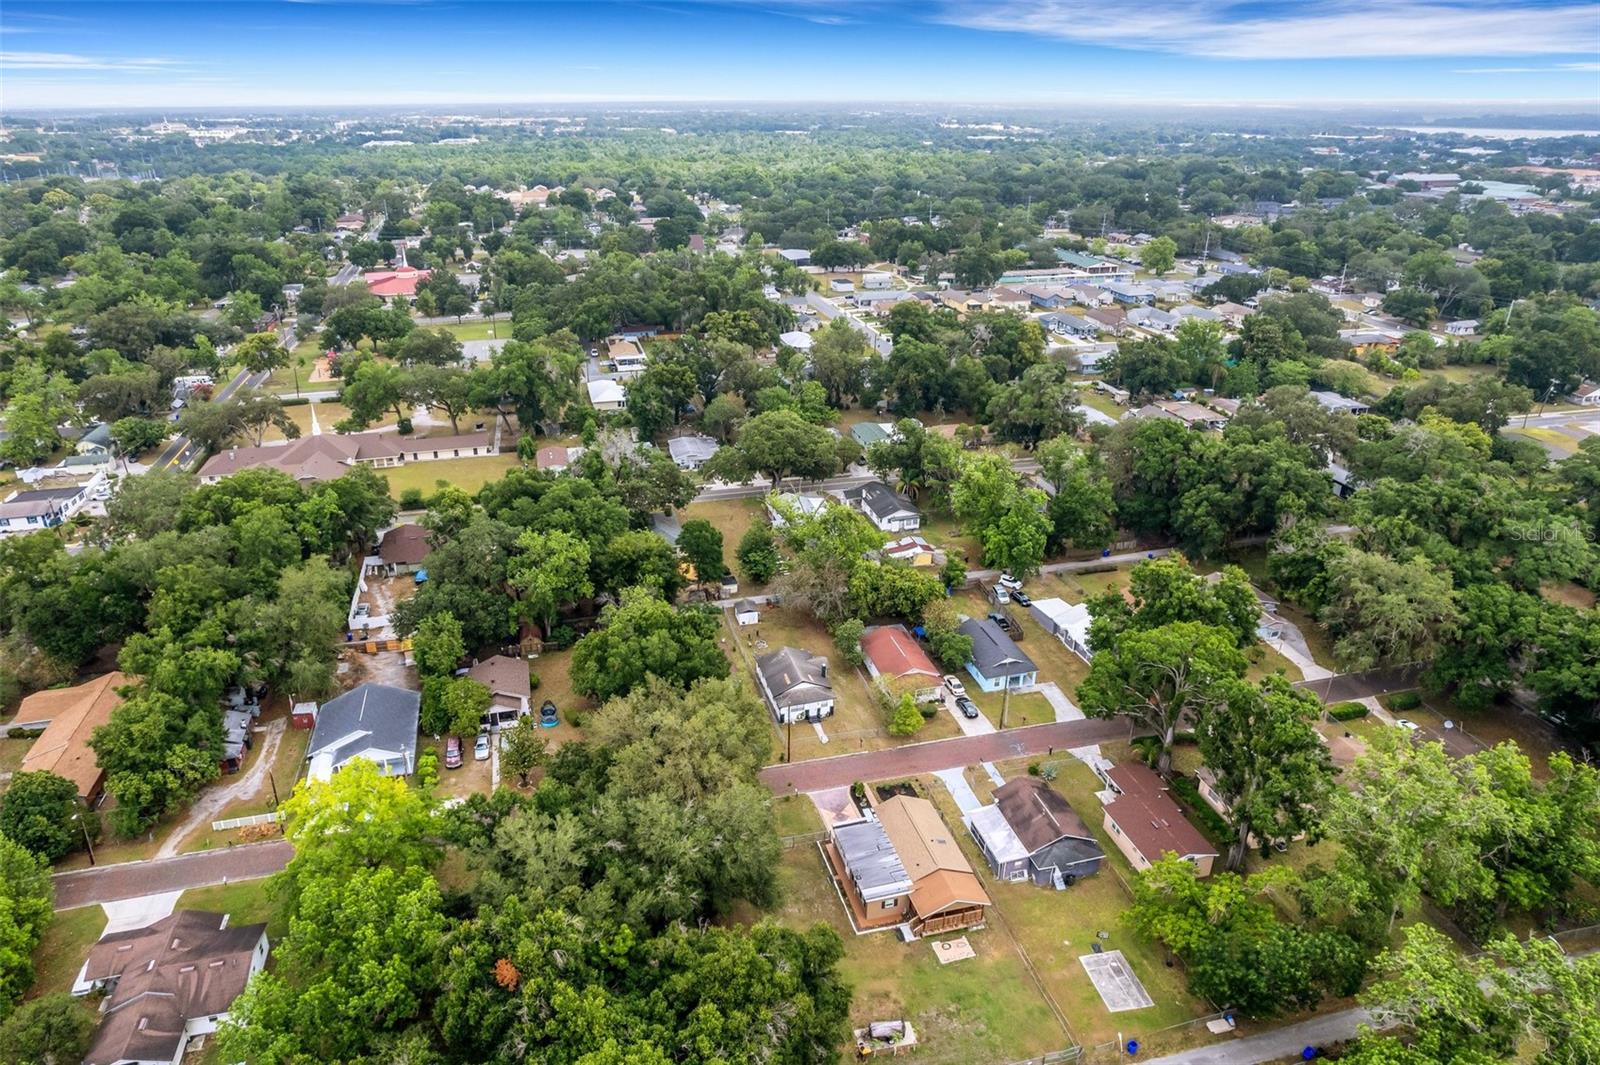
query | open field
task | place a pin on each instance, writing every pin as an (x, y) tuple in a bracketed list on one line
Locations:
[(733, 518), (490, 330), (469, 474)]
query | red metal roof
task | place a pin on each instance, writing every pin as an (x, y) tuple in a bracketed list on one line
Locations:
[(894, 653)]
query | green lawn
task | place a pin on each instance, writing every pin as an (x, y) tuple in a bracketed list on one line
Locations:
[(246, 902), (65, 946), (469, 474), (496, 330), (733, 518)]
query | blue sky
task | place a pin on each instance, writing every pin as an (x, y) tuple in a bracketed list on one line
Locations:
[(1057, 52)]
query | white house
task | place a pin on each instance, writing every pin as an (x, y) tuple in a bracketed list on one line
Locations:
[(795, 685), (876, 279), (606, 395), (1067, 622), (797, 340), (1465, 327), (1586, 394), (746, 612), (888, 511)]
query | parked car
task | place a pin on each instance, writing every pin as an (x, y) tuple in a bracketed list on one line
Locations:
[(480, 747), (452, 753), (954, 685), (548, 718), (1006, 623), (968, 708), (1009, 583), (1407, 724), (1021, 599)]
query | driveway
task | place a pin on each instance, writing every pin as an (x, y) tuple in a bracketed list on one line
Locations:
[(1065, 709), (955, 783), (246, 785), (933, 755)]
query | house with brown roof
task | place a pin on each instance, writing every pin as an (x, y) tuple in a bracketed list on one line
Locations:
[(404, 548), (1146, 822), (73, 714), (167, 983), (1111, 319), (1031, 832), (904, 867), (510, 691), (893, 654), (327, 456)]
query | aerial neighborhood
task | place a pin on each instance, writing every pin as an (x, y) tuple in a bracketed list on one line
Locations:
[(798, 585)]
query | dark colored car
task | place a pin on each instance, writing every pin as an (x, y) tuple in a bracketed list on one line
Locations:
[(452, 753), (968, 708), (1021, 598), (547, 715)]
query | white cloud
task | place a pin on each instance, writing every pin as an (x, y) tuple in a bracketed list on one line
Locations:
[(1557, 68), (1318, 29), (71, 61)]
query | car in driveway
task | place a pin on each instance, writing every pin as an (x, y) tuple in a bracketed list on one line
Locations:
[(1021, 598), (452, 753), (480, 747), (548, 717), (968, 708), (1007, 624), (954, 686), (1407, 724)]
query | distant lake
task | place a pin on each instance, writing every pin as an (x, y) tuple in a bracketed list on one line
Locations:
[(1499, 134)]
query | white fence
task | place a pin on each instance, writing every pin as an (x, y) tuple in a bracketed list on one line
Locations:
[(245, 822)]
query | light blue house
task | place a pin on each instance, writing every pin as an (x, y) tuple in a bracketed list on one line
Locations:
[(997, 662)]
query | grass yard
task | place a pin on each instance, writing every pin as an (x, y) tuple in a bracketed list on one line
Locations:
[(1081, 587), (984, 1009), (13, 749), (554, 671), (64, 948), (491, 330), (733, 518), (795, 815), (469, 474), (945, 532), (1265, 662), (246, 902), (1091, 397)]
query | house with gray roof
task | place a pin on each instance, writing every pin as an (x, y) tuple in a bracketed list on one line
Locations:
[(1153, 318), (997, 662), (795, 684), (887, 510), (1031, 832), (691, 450), (40, 508), (377, 722)]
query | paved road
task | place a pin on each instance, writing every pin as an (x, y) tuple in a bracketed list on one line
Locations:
[(1276, 1045), (844, 769), (107, 883), (1347, 687)]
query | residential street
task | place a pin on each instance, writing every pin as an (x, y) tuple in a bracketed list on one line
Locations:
[(107, 883), (1348, 687), (953, 753), (1276, 1045)]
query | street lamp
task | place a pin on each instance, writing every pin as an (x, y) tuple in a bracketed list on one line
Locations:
[(87, 842)]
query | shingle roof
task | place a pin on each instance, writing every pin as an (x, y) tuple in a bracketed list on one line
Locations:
[(63, 747), (879, 498), (405, 545), (1037, 813), (365, 718), (189, 964), (1149, 817), (323, 457), (795, 676), (893, 653), (993, 652), (940, 874)]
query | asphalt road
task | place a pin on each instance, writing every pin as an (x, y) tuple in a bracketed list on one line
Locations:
[(1348, 686), (108, 883), (1276, 1045), (842, 770), (179, 450)]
